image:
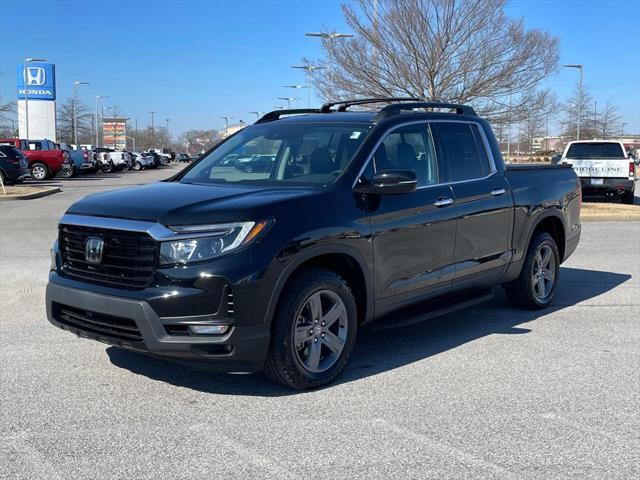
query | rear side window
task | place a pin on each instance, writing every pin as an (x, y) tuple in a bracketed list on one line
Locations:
[(462, 150), (595, 150)]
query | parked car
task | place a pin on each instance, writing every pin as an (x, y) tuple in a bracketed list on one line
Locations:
[(14, 166), (184, 157), (141, 160), (604, 168), (81, 160), (164, 153), (279, 271), (45, 158), (111, 160), (157, 159), (255, 163)]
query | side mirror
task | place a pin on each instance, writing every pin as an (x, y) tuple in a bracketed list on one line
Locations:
[(390, 182)]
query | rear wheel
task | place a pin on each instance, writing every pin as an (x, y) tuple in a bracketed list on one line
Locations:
[(108, 167), (68, 171), (627, 197), (535, 288), (137, 166), (314, 331), (40, 171)]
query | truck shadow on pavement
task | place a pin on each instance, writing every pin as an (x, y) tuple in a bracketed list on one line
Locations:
[(379, 351)]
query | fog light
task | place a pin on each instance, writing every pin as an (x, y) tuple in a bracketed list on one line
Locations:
[(209, 329)]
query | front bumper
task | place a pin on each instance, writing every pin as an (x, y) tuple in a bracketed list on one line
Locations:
[(241, 349)]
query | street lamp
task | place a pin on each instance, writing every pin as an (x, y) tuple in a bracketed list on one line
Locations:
[(153, 129), (98, 97), (289, 100), (26, 96), (622, 132), (329, 35), (579, 66), (167, 120), (258, 115), (75, 110), (302, 86), (226, 122)]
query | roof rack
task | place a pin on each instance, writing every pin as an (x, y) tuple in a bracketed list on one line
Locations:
[(326, 108), (395, 109), (276, 114)]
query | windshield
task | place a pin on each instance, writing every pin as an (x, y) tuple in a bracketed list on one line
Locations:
[(596, 150), (307, 153)]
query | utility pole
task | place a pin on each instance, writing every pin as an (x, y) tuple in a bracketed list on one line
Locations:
[(167, 120), (153, 131), (97, 127), (595, 119), (579, 66)]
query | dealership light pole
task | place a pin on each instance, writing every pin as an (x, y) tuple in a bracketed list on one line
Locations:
[(167, 120), (75, 110), (153, 129), (98, 97), (102, 121), (579, 66), (622, 132), (297, 87), (329, 35), (309, 69), (289, 100), (26, 96), (226, 119), (258, 115)]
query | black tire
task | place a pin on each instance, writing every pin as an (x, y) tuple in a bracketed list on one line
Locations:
[(108, 167), (627, 197), (283, 364), (521, 292), (68, 172), (137, 166), (39, 171)]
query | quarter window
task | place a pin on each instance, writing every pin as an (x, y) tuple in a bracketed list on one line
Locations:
[(462, 150), (409, 148)]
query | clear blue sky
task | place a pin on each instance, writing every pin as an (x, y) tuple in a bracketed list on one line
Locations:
[(193, 61)]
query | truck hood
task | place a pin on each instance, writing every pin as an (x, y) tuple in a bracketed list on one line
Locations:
[(174, 203)]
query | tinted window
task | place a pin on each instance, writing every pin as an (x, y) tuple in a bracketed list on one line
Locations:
[(409, 148), (459, 150), (595, 150)]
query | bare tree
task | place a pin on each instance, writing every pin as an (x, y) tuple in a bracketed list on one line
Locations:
[(570, 115), (8, 124), (198, 141), (65, 121), (609, 120), (465, 51)]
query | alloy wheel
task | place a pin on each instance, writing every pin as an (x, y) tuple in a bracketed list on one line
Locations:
[(38, 172), (544, 273), (320, 331)]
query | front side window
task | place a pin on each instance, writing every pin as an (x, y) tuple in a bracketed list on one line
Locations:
[(303, 153), (462, 150), (409, 148)]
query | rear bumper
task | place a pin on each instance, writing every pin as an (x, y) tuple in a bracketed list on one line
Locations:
[(242, 349), (609, 186)]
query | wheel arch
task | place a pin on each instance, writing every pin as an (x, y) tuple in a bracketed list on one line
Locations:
[(553, 224), (341, 259)]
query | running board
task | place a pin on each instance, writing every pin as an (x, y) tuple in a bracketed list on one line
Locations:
[(436, 308)]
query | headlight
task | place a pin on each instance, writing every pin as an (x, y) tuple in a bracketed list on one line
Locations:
[(209, 241)]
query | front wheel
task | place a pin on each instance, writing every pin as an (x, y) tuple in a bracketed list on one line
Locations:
[(108, 167), (137, 166), (314, 331), (535, 288)]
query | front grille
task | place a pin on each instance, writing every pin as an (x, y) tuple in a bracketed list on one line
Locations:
[(128, 258), (97, 323)]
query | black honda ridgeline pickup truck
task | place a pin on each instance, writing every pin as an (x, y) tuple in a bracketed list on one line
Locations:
[(359, 214)]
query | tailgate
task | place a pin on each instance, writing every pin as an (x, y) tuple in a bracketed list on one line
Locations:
[(601, 168)]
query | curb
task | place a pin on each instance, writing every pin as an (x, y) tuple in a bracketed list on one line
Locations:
[(610, 218), (30, 196)]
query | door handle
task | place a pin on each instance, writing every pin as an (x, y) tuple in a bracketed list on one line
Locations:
[(497, 191), (443, 202)]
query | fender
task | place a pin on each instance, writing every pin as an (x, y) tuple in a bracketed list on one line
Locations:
[(315, 252)]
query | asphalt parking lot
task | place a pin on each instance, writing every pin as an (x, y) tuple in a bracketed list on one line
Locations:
[(488, 392)]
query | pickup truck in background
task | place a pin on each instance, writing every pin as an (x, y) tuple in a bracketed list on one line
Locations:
[(112, 160), (46, 158), (81, 160), (604, 168), (409, 205)]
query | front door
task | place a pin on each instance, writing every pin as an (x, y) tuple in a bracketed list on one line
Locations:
[(413, 233)]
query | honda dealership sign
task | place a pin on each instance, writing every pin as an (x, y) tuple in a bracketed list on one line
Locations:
[(37, 81)]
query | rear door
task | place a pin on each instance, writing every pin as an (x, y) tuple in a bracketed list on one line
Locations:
[(413, 233), (483, 201)]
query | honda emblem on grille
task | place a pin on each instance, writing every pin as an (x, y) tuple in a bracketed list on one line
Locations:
[(93, 248)]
